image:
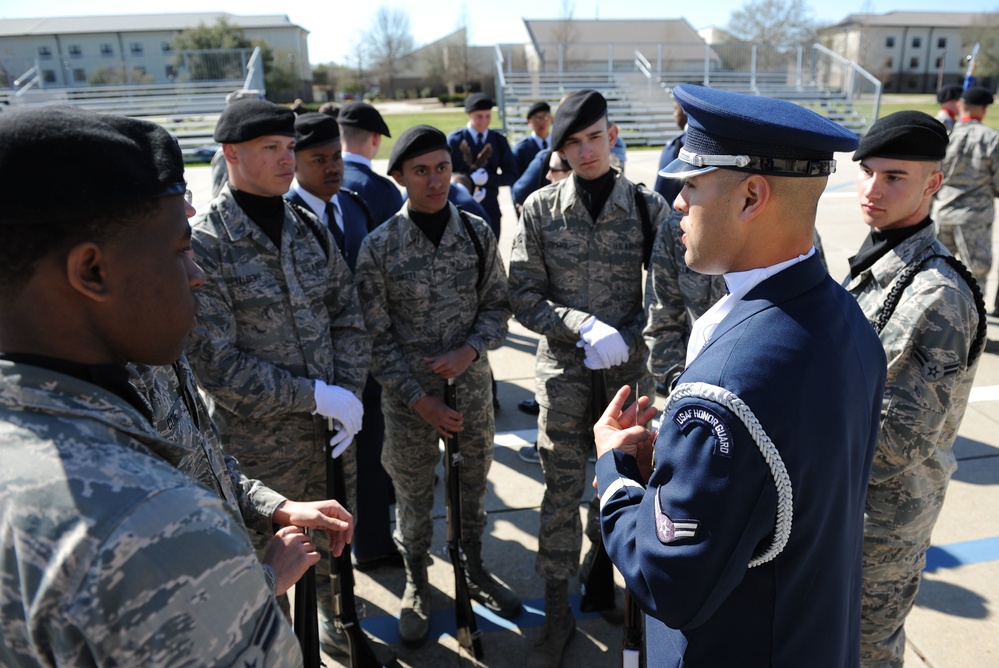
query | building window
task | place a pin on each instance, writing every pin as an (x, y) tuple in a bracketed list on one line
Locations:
[(135, 48), (942, 43), (889, 42), (48, 76), (939, 64), (914, 63), (917, 42), (171, 72), (44, 52), (165, 47), (107, 51), (79, 74), (75, 51)]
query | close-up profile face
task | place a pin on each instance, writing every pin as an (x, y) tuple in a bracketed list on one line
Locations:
[(893, 192), (264, 166), (710, 208), (588, 151), (427, 179), (319, 169)]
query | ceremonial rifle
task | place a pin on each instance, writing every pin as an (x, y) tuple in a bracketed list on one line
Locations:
[(969, 75), (633, 652), (342, 575), (467, 632), (598, 586), (307, 618)]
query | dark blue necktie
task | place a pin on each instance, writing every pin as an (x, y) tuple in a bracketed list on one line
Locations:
[(334, 228)]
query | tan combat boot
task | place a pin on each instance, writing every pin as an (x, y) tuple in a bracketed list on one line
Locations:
[(414, 618), (485, 588), (560, 626)]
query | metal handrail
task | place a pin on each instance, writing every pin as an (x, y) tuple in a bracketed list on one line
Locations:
[(500, 86), (23, 82), (859, 70), (255, 73)]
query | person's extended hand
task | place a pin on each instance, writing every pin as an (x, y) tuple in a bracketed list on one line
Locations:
[(290, 553), (446, 421), (452, 363), (624, 429), (327, 515)]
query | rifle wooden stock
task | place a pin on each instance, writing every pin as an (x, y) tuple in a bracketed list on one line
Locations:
[(307, 618), (467, 630), (632, 644), (342, 576), (598, 587)]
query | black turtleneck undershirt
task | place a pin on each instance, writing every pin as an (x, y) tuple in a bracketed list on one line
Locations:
[(266, 212), (594, 193), (879, 242), (432, 224), (110, 377)]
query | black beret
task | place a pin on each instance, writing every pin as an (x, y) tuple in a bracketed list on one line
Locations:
[(536, 107), (363, 115), (248, 119), (577, 111), (414, 142), (904, 135), (978, 96), (949, 92), (312, 129), (478, 102), (109, 163)]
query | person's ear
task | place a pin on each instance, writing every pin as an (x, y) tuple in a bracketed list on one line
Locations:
[(755, 193), (86, 271)]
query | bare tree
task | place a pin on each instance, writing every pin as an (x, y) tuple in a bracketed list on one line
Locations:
[(389, 40), (565, 32), (780, 23)]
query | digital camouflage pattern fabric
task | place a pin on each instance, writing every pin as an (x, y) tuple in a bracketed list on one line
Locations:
[(421, 301), (964, 208), (565, 267), (110, 556), (926, 342)]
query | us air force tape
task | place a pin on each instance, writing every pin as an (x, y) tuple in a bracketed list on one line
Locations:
[(785, 497)]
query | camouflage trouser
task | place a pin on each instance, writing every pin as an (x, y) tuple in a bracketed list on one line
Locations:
[(411, 452), (897, 528), (303, 479), (971, 243), (564, 443)]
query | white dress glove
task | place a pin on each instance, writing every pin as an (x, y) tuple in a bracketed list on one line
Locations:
[(339, 404), (479, 195), (341, 440), (607, 341), (593, 360), (480, 176)]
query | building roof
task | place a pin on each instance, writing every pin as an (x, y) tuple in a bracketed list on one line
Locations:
[(137, 23), (606, 31), (910, 19)]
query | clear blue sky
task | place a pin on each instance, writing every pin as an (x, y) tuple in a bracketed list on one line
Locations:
[(336, 26)]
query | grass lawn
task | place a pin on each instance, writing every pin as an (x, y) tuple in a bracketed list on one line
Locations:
[(928, 103)]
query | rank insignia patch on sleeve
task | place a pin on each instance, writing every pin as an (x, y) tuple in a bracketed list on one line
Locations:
[(932, 369), (669, 530)]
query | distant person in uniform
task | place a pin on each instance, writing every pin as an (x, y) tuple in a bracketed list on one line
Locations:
[(927, 309), (317, 187), (964, 208), (361, 132), (576, 279), (435, 302), (948, 98), (460, 194), (484, 155), (539, 117), (280, 344), (776, 414), (108, 554), (670, 188)]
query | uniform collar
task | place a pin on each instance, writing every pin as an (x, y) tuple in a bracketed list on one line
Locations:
[(620, 195), (356, 158), (887, 268)]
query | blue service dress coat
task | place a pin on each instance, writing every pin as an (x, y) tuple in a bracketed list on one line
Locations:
[(378, 192), (670, 188), (460, 197), (800, 353), (525, 150), (501, 167), (532, 178), (355, 224)]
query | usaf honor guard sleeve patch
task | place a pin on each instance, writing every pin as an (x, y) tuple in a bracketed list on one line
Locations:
[(669, 530), (688, 416)]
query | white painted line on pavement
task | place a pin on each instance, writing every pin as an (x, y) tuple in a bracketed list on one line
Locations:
[(988, 393)]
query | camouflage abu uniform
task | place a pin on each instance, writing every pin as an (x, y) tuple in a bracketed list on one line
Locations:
[(926, 341), (181, 416), (964, 207), (675, 296), (564, 268), (271, 322), (85, 496), (421, 301)]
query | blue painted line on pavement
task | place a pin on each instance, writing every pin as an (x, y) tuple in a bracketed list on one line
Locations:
[(962, 554)]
